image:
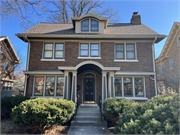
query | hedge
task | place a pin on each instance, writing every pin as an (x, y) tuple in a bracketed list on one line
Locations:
[(159, 115), (42, 110), (7, 103)]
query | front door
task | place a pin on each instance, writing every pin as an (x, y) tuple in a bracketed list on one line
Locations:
[(89, 88)]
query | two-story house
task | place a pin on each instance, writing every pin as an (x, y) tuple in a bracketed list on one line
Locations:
[(8, 59), (168, 63), (91, 58)]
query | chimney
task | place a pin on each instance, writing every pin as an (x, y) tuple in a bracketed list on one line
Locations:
[(136, 19)]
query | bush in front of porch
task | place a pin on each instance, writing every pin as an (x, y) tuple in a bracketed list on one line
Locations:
[(47, 111)]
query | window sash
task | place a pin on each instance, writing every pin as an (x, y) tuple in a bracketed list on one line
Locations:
[(130, 51), (48, 48), (129, 87), (119, 51), (94, 25), (60, 86), (50, 87), (118, 86), (85, 25), (39, 85), (139, 86), (84, 50), (95, 50)]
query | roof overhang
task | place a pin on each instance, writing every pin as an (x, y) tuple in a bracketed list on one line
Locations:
[(105, 19), (43, 72), (88, 37), (11, 49)]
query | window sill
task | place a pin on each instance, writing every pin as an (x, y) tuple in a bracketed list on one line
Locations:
[(52, 59), (126, 60), (89, 57), (134, 98), (47, 97)]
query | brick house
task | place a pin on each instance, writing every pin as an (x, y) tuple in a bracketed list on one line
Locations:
[(8, 60), (168, 63), (91, 58)]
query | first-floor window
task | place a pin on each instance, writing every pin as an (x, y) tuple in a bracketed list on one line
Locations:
[(60, 86), (39, 84), (50, 82), (118, 86), (129, 86)]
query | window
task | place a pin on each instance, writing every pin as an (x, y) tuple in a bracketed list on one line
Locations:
[(84, 50), (39, 84), (89, 50), (160, 69), (131, 86), (50, 82), (85, 25), (118, 86), (59, 51), (53, 51), (120, 51), (4, 66), (94, 25), (48, 50), (90, 25), (171, 64), (94, 50), (125, 51), (48, 89), (139, 86), (60, 86), (128, 87), (179, 41)]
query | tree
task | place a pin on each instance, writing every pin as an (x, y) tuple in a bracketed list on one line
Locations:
[(63, 10)]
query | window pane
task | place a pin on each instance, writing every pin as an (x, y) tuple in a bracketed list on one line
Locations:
[(128, 87), (39, 80), (130, 55), (38, 91), (119, 55), (95, 53), (118, 86), (94, 25), (119, 47), (84, 52), (85, 25), (39, 83), (94, 46), (50, 86), (47, 54), (139, 87), (130, 47), (60, 86), (48, 47), (84, 46), (59, 46), (59, 54)]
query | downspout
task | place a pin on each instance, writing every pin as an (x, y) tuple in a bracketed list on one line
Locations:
[(27, 65), (154, 66)]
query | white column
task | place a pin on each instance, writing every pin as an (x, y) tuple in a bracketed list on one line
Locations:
[(74, 87), (104, 86), (66, 85), (111, 84)]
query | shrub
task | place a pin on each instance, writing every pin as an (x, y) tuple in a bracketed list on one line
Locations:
[(7, 103), (42, 110), (114, 106), (159, 115)]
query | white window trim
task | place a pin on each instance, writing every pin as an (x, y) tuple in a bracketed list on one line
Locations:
[(90, 25), (133, 82), (170, 64), (44, 85), (89, 53), (125, 59), (53, 57)]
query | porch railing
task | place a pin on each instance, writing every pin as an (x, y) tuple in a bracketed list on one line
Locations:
[(100, 106)]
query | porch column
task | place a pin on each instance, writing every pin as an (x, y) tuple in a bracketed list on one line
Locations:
[(104, 85), (66, 85), (74, 86), (111, 84)]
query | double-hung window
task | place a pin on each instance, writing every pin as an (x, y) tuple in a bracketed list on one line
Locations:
[(89, 50), (125, 51), (129, 87), (59, 51), (48, 50)]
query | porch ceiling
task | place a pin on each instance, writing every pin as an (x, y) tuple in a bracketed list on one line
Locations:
[(89, 67)]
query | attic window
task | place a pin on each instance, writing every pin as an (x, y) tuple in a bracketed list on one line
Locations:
[(89, 25), (94, 25), (85, 25)]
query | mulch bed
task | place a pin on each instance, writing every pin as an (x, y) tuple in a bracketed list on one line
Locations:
[(35, 128), (111, 123)]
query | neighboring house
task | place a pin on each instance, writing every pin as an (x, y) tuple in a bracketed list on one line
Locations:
[(8, 60), (168, 63), (18, 84), (91, 58)]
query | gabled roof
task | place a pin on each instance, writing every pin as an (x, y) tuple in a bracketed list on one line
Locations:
[(174, 30), (10, 48)]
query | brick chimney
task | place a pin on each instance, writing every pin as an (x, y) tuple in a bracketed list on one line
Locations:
[(136, 19)]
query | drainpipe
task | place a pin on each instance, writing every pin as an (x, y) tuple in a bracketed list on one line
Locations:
[(27, 64), (154, 66)]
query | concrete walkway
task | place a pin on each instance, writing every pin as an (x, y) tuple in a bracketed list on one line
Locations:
[(81, 130)]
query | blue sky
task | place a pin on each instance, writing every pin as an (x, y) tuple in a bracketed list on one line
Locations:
[(158, 15)]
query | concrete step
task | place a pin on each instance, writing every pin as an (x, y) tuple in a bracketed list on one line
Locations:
[(89, 105), (88, 114), (88, 123), (88, 118)]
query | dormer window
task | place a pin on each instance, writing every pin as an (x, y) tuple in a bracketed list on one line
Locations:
[(89, 25)]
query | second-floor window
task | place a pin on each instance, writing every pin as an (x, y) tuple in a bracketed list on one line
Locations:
[(125, 51), (171, 64), (53, 51), (89, 50)]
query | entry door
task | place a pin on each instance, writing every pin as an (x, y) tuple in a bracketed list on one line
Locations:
[(89, 88)]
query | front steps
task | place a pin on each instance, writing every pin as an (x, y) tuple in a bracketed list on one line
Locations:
[(88, 115)]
